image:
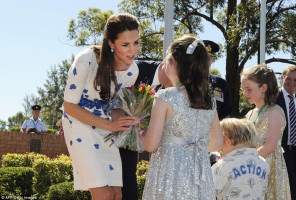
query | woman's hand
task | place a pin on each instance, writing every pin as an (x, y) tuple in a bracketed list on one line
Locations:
[(119, 124), (122, 123)]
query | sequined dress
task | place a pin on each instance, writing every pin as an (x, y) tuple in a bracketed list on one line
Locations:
[(278, 182), (180, 168)]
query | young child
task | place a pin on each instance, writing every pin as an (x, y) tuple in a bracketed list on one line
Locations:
[(183, 120), (241, 173), (260, 87)]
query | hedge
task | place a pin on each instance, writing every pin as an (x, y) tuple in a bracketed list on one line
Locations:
[(18, 129), (15, 129), (52, 131), (47, 171), (141, 173), (47, 178), (50, 172), (16, 181), (21, 160), (65, 191)]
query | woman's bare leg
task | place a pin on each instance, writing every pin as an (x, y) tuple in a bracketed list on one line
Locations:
[(117, 192), (106, 193)]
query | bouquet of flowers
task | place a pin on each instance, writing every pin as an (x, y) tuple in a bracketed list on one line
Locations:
[(136, 102)]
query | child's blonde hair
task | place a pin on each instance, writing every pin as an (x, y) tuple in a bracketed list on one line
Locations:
[(239, 131)]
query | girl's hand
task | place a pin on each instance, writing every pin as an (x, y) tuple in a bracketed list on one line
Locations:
[(122, 123)]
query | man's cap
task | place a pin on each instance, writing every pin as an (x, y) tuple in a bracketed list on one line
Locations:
[(36, 107), (211, 47)]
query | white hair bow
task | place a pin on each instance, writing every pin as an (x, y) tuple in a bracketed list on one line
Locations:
[(192, 46)]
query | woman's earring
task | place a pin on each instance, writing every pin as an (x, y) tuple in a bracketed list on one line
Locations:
[(112, 50)]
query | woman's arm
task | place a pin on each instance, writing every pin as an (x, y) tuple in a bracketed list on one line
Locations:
[(59, 123), (87, 117), (215, 136), (275, 122), (160, 112)]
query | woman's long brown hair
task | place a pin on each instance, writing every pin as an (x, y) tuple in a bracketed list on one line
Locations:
[(115, 25)]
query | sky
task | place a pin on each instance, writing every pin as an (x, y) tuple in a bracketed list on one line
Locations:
[(33, 38)]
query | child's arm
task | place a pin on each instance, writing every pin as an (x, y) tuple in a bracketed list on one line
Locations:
[(275, 122), (215, 136), (160, 112)]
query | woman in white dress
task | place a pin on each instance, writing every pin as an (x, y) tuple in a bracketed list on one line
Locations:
[(96, 74)]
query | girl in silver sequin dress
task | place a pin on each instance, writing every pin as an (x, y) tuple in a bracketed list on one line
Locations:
[(183, 121)]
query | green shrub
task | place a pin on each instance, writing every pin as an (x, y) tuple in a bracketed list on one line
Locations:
[(52, 178), (16, 181), (65, 191), (52, 131), (21, 160), (15, 129), (50, 172), (141, 173)]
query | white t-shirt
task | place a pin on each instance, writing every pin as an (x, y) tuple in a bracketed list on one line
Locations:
[(241, 174)]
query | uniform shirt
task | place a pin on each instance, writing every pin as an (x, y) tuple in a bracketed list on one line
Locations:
[(31, 123), (221, 94), (241, 174)]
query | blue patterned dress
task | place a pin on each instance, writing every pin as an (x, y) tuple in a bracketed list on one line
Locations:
[(95, 164), (180, 168)]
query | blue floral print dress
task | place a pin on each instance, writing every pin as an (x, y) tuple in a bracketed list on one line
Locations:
[(95, 164)]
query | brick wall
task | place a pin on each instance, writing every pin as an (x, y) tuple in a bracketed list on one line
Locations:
[(16, 142), (51, 145)]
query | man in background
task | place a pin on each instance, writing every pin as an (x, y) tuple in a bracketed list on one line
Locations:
[(34, 124), (220, 90), (286, 99), (219, 85)]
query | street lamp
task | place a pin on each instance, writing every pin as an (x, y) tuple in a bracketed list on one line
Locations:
[(262, 31)]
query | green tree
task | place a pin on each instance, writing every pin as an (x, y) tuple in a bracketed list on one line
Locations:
[(238, 22), (51, 95), (88, 27), (3, 125), (29, 101), (17, 120)]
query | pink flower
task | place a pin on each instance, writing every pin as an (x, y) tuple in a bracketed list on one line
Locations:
[(152, 92), (143, 86)]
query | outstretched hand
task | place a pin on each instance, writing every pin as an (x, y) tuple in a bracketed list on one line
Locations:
[(122, 123)]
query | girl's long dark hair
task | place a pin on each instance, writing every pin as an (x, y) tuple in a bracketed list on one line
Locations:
[(193, 71), (115, 25)]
